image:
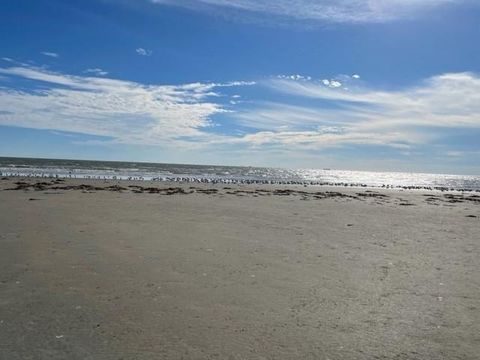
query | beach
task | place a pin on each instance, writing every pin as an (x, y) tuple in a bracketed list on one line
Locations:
[(151, 270)]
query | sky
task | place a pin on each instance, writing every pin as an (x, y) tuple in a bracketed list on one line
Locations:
[(382, 85)]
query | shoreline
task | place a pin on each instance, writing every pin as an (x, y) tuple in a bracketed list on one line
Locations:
[(244, 182)]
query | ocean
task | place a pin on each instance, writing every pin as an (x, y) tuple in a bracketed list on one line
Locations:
[(86, 169)]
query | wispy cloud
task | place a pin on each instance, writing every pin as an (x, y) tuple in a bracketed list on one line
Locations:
[(127, 112), (339, 11), (143, 52), (313, 115), (447, 100), (460, 153), (50, 54), (96, 71), (358, 115)]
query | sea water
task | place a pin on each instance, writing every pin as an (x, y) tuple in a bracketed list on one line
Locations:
[(85, 169)]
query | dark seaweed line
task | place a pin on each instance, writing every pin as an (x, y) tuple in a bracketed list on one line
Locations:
[(57, 185)]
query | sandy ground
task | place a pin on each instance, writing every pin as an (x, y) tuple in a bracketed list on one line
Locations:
[(192, 273)]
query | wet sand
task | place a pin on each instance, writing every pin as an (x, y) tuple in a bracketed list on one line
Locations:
[(124, 270)]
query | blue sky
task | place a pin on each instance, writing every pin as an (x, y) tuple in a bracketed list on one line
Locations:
[(348, 84)]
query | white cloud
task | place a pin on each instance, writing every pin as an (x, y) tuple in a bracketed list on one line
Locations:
[(96, 71), (309, 128), (297, 77), (273, 116), (143, 52), (50, 54), (314, 140), (335, 84), (331, 83), (182, 116), (126, 111), (461, 153), (400, 119), (448, 100), (351, 11), (237, 83)]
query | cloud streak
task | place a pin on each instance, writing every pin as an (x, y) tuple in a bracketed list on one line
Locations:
[(447, 100), (357, 115), (127, 112), (50, 54), (143, 52), (96, 71), (312, 114), (334, 11)]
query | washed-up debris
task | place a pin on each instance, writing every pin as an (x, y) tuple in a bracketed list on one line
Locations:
[(207, 191), (57, 185), (372, 194), (115, 188)]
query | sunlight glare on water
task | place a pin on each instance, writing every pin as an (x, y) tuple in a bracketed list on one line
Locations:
[(175, 172)]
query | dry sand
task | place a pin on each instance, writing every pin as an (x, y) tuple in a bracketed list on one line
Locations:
[(193, 273)]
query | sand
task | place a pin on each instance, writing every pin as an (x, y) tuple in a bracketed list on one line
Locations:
[(246, 272)]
